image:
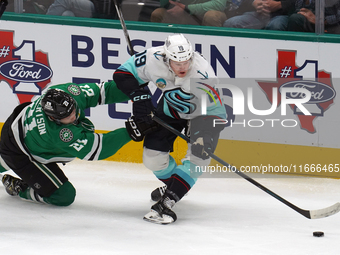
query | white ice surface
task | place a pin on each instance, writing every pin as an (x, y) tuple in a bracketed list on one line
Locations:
[(219, 216)]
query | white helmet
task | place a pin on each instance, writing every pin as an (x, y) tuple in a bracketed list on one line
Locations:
[(177, 48)]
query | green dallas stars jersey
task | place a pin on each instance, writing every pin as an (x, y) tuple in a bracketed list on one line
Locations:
[(49, 142)]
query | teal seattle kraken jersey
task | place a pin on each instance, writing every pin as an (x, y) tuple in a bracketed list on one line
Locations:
[(182, 95)]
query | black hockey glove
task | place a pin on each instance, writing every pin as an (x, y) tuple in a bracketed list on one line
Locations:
[(205, 135), (142, 106), (137, 130), (203, 143)]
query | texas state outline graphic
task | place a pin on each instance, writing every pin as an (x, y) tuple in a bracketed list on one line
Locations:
[(288, 71), (26, 55)]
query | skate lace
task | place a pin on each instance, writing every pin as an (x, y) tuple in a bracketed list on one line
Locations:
[(162, 190), (168, 203)]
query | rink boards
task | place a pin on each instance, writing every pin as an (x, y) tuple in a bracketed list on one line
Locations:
[(255, 158), (35, 53)]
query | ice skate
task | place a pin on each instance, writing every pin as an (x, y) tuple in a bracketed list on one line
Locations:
[(161, 212), (13, 185)]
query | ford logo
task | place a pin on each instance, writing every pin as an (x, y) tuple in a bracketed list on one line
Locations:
[(25, 71), (320, 92)]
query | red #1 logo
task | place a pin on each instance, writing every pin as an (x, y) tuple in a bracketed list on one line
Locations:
[(307, 76), (26, 70)]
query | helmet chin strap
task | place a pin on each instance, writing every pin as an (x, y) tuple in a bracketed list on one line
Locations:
[(167, 62), (76, 122), (191, 61), (55, 120)]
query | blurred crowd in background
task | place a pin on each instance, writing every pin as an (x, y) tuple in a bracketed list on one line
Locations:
[(284, 15)]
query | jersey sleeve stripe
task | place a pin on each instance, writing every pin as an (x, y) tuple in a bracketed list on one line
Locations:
[(99, 148), (96, 148), (101, 99)]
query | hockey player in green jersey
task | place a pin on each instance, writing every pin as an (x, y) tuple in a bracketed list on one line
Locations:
[(53, 129)]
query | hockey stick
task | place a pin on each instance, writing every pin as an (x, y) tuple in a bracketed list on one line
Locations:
[(126, 33), (122, 22), (310, 214), (3, 4)]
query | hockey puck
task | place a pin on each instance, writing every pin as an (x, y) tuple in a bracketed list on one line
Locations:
[(318, 234)]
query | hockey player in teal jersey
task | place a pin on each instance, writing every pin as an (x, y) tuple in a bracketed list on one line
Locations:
[(53, 129), (173, 68)]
